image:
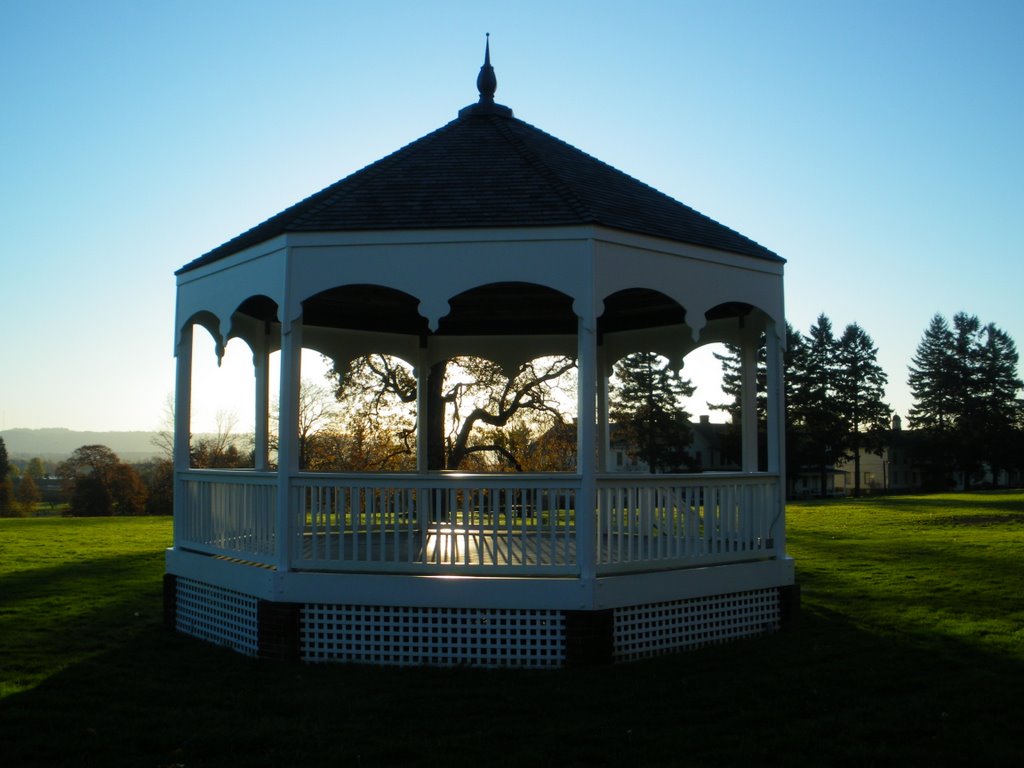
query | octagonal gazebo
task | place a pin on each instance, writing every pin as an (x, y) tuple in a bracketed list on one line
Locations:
[(491, 238)]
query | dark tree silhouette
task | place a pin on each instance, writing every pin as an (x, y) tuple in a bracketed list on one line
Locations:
[(97, 483), (812, 408), (859, 396), (467, 399), (965, 386), (648, 409)]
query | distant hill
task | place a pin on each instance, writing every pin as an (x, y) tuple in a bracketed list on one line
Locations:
[(57, 444)]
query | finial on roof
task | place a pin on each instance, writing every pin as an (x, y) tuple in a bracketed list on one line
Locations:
[(486, 84), (486, 81)]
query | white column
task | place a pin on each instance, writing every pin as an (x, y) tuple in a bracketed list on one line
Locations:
[(182, 421), (749, 401), (777, 429), (775, 406), (586, 434), (183, 399), (288, 438), (603, 428), (261, 369), (422, 374)]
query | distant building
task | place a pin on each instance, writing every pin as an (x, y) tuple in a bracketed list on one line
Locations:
[(898, 468)]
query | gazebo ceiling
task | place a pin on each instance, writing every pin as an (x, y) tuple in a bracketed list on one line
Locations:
[(509, 309), (487, 169), (365, 308), (491, 310)]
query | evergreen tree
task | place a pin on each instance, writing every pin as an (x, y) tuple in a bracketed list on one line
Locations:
[(859, 392), (932, 379), (648, 408), (732, 381), (813, 411), (794, 362), (965, 387), (999, 411), (933, 383), (6, 486), (732, 386), (965, 394)]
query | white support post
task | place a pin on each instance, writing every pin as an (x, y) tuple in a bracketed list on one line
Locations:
[(749, 401), (288, 438), (586, 499), (422, 375), (261, 369), (603, 427), (182, 421), (777, 429), (183, 400)]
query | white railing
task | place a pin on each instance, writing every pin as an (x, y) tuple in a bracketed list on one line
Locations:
[(653, 522), (497, 524), (227, 512), (444, 523)]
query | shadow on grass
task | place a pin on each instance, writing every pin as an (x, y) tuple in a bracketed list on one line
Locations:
[(72, 575), (830, 693), (57, 615), (1009, 501)]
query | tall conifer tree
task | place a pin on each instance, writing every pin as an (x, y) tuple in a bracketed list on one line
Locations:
[(6, 486), (859, 392), (932, 379), (648, 408), (812, 409), (999, 409), (965, 387)]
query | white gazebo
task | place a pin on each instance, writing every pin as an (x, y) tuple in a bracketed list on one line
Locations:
[(490, 238)]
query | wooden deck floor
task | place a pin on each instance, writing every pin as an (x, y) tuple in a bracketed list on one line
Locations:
[(454, 546), (442, 545)]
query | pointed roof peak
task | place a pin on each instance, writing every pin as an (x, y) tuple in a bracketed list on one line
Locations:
[(487, 81), (486, 85)]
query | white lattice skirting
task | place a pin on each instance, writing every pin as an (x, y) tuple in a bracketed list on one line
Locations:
[(647, 630), (403, 636), (481, 637), (217, 615)]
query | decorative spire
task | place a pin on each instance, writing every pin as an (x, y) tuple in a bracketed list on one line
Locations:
[(486, 84), (486, 81)]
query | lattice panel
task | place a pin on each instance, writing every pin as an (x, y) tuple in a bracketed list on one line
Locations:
[(217, 615), (647, 630), (404, 636)]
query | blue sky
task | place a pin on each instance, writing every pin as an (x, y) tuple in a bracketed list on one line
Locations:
[(875, 145)]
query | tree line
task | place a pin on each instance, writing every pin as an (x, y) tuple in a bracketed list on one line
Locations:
[(93, 481), (966, 398), (967, 416)]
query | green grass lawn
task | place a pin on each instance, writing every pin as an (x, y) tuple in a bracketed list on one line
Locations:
[(909, 651)]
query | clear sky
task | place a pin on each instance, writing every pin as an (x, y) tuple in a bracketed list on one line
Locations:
[(877, 146)]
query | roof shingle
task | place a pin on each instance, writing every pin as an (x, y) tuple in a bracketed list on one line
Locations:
[(488, 169)]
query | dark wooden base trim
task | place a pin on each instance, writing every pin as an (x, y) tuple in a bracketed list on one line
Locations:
[(589, 638), (278, 627), (170, 602), (789, 607)]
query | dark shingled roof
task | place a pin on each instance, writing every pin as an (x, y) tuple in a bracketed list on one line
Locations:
[(488, 169)]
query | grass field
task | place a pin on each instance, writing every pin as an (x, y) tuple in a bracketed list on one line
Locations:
[(909, 651)]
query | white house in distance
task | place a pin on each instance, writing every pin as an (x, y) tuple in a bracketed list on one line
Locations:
[(487, 237)]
